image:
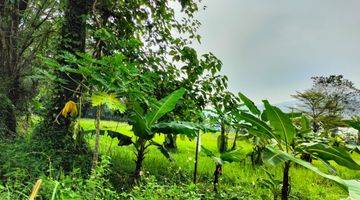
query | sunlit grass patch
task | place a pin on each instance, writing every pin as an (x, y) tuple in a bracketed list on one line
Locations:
[(305, 184)]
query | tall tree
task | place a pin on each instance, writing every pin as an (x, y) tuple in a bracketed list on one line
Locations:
[(316, 105), (66, 87), (153, 36), (329, 100), (341, 92), (25, 27)]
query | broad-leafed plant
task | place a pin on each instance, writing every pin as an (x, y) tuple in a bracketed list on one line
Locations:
[(188, 129), (144, 127), (285, 144), (220, 160), (272, 184), (259, 144)]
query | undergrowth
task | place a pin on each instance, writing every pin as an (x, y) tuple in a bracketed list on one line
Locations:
[(23, 161)]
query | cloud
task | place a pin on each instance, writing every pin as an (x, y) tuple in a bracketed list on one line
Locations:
[(271, 48)]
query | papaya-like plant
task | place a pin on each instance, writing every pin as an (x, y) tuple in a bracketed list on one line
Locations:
[(98, 101), (284, 145)]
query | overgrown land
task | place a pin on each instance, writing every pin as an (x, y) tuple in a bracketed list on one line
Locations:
[(108, 99)]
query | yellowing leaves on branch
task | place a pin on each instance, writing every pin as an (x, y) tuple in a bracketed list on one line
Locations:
[(69, 108)]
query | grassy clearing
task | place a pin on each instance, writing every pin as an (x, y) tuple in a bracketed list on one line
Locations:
[(239, 177)]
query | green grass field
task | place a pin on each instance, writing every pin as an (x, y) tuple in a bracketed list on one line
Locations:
[(240, 177)]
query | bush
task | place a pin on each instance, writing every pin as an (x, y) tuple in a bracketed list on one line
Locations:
[(73, 186)]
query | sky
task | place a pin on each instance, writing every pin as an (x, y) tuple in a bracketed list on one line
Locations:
[(271, 48)]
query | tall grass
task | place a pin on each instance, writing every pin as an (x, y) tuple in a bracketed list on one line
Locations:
[(236, 176)]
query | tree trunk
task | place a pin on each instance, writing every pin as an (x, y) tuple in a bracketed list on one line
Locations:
[(285, 191), (139, 160), (10, 16), (97, 139), (14, 96), (10, 122), (57, 132), (196, 156), (222, 140), (217, 174), (305, 156), (234, 145), (73, 35)]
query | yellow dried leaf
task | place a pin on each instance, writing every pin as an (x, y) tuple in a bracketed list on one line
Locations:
[(69, 108), (35, 189)]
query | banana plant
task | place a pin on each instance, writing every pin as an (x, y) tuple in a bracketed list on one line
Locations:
[(145, 126), (284, 145), (145, 131), (259, 143), (272, 184), (225, 157)]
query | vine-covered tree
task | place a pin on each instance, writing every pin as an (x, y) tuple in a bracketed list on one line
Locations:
[(57, 129)]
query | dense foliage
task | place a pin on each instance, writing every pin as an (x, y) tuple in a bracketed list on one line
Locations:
[(134, 61)]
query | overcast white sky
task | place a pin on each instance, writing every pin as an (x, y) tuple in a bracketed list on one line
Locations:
[(271, 48)]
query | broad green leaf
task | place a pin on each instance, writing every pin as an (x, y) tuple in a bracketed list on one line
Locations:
[(140, 126), (229, 156), (264, 117), (211, 155), (175, 128), (351, 186), (272, 158), (281, 123), (232, 156), (339, 155), (123, 139), (305, 124), (207, 151), (262, 127), (110, 100), (249, 104), (163, 150), (330, 168), (292, 115), (205, 128), (165, 105), (260, 134)]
